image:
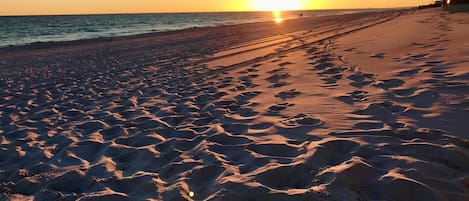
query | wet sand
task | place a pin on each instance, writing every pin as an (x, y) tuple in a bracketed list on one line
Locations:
[(365, 106)]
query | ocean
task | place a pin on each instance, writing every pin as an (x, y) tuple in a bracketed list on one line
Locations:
[(23, 30)]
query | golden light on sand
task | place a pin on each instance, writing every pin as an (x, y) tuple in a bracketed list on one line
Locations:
[(268, 5)]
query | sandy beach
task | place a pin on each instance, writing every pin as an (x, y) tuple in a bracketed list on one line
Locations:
[(364, 106)]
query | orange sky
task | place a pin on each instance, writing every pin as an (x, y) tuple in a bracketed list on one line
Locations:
[(38, 7)]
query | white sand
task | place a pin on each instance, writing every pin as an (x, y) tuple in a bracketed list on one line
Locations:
[(348, 111)]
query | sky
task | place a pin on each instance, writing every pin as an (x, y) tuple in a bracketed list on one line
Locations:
[(48, 7)]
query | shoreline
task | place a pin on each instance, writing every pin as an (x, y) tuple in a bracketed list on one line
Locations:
[(205, 12), (219, 37), (48, 44)]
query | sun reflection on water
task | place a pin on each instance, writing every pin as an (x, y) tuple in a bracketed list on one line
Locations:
[(277, 16)]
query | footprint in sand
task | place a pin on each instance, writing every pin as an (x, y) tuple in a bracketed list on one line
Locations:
[(389, 84), (331, 75), (226, 79), (330, 71), (417, 44), (369, 125), (255, 66), (91, 126), (378, 56), (404, 92), (281, 106), (279, 84), (236, 128), (252, 74), (331, 81), (238, 88), (388, 106), (284, 95), (261, 126), (423, 99), (375, 115), (243, 72), (247, 82), (439, 49), (438, 73), (408, 73), (285, 64), (247, 113), (114, 132), (356, 96), (251, 70), (276, 80), (276, 60), (219, 109), (419, 57), (324, 59), (224, 139), (434, 63), (277, 150), (360, 79), (73, 114), (322, 66), (301, 120), (248, 77), (275, 70), (246, 96)]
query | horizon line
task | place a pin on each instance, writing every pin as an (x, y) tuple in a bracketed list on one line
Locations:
[(190, 12)]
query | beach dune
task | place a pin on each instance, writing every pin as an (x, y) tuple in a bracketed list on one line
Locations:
[(364, 106)]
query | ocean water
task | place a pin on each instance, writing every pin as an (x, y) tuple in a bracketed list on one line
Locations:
[(23, 30)]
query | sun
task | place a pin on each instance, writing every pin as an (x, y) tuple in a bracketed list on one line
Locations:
[(271, 5)]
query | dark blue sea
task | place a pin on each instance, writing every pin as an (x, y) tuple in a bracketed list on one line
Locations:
[(22, 30)]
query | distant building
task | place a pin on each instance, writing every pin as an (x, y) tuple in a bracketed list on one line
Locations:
[(454, 2), (437, 4), (456, 5)]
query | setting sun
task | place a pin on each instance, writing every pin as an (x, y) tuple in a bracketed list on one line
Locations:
[(277, 4)]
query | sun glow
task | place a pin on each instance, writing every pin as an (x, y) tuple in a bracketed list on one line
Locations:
[(278, 19), (277, 5), (277, 16)]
